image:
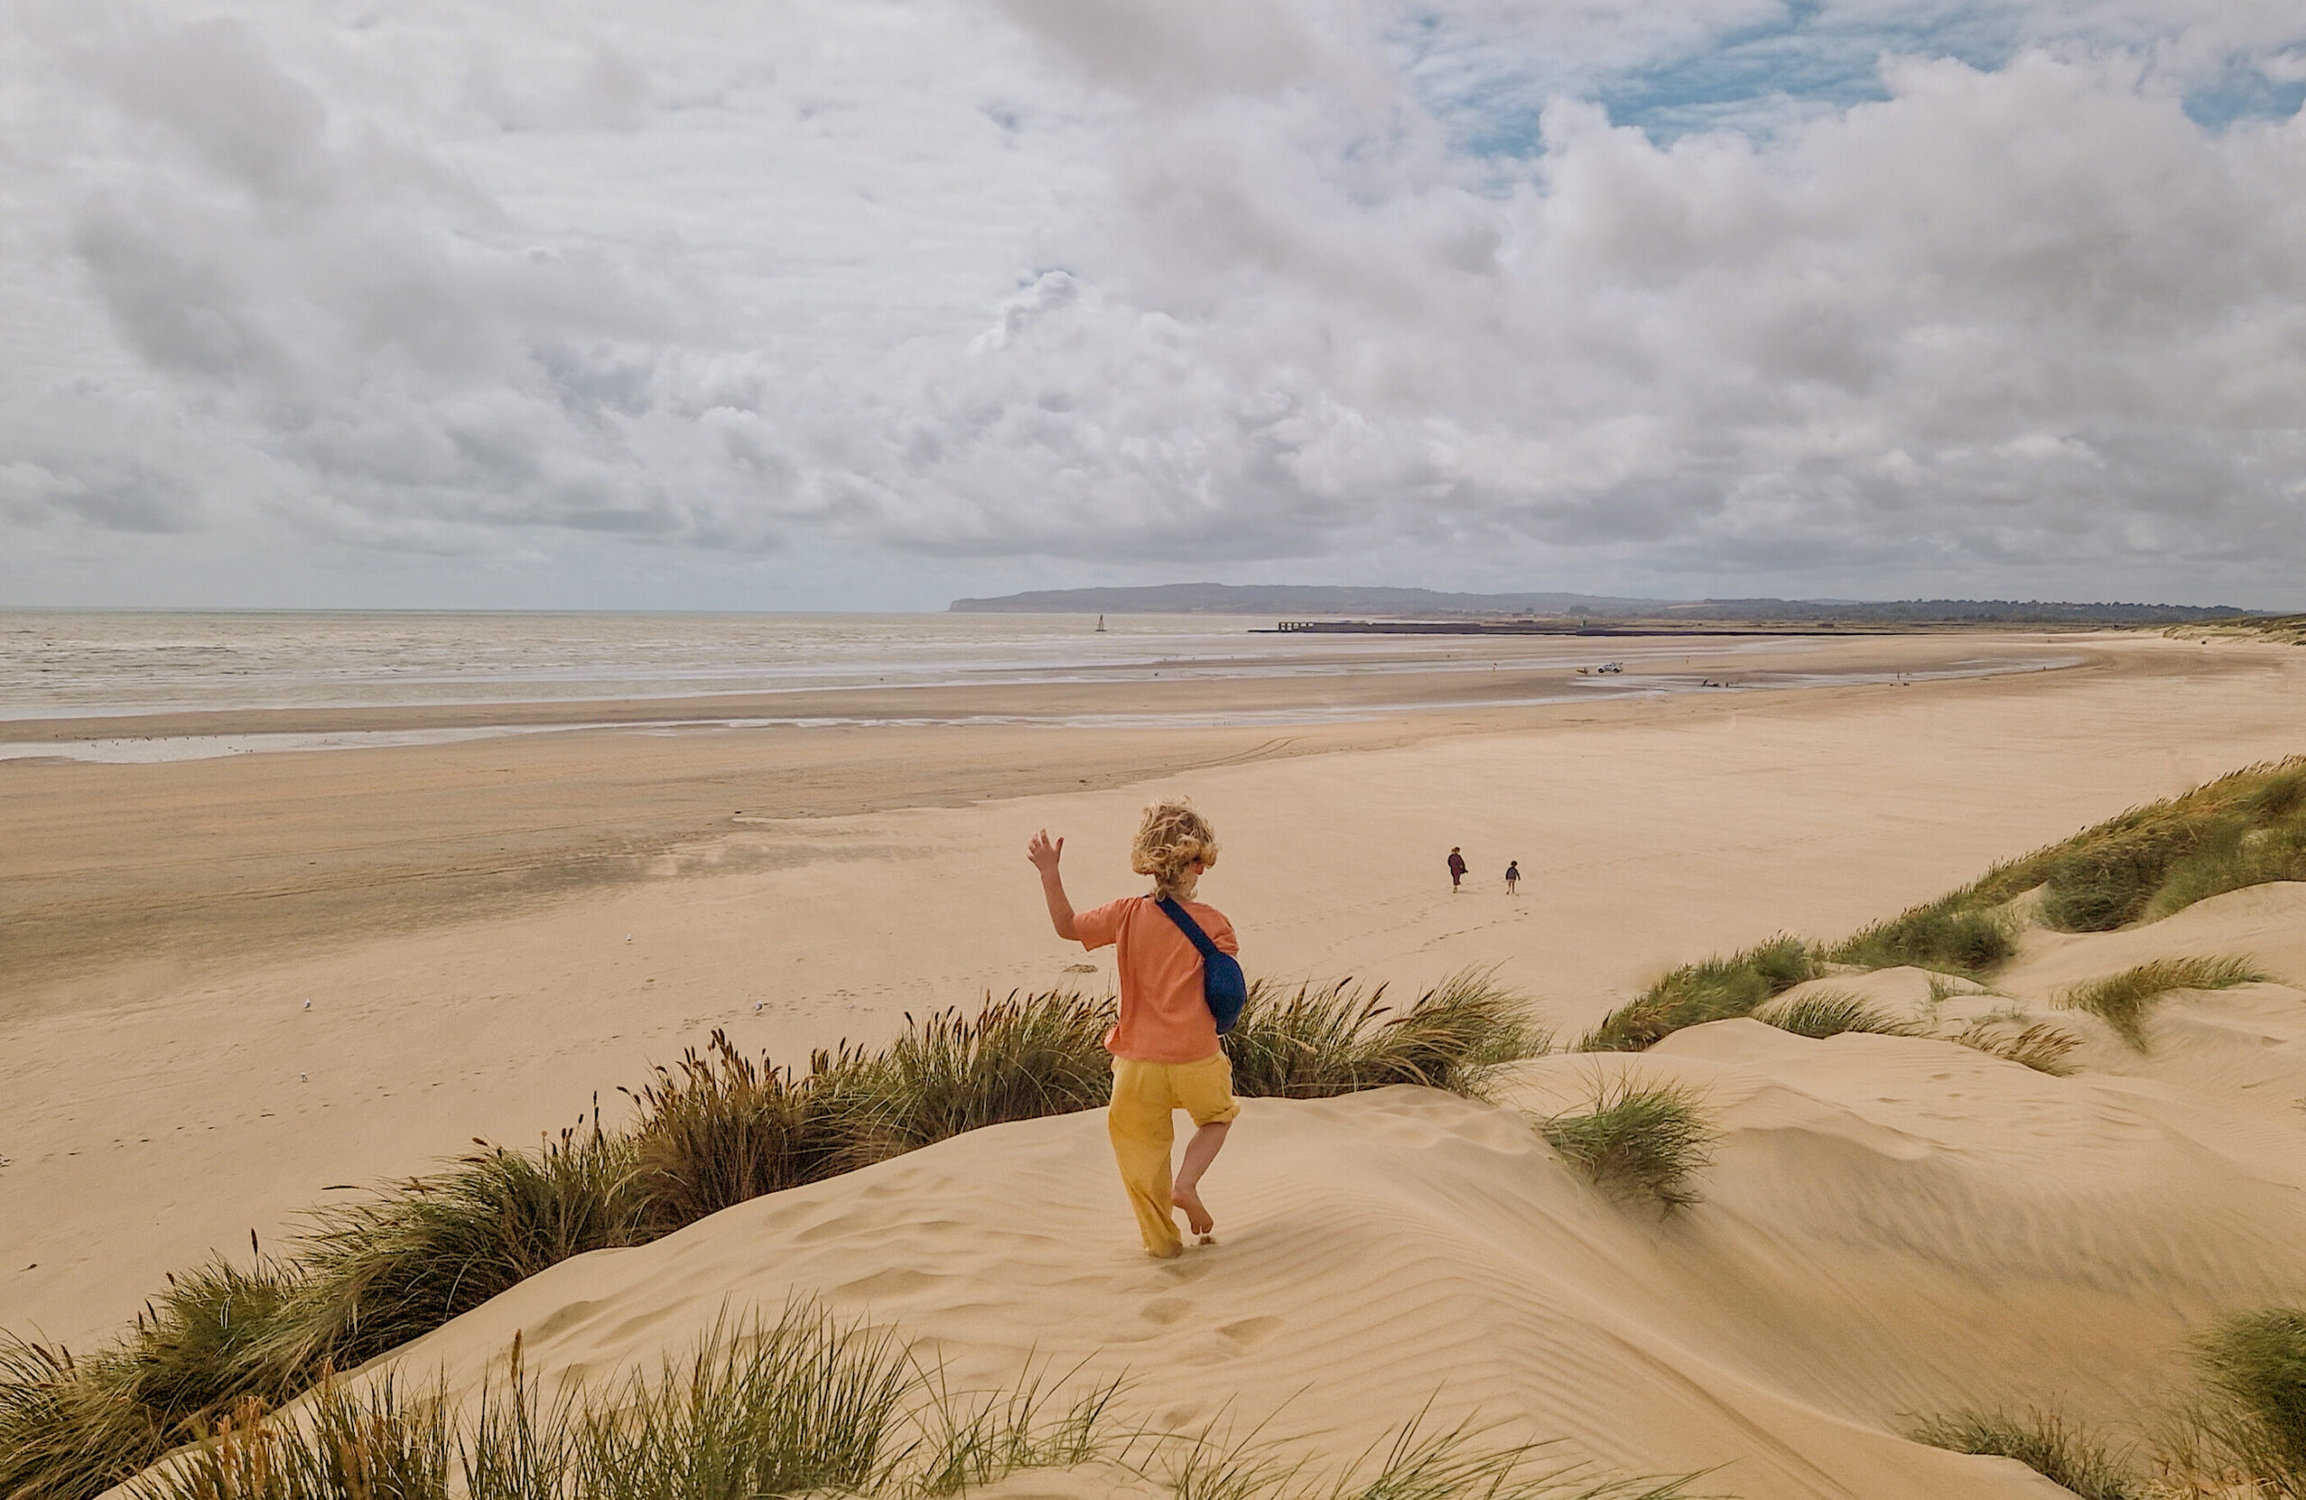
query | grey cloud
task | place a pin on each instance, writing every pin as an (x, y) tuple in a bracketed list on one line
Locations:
[(180, 310), (1216, 283), (122, 497), (1196, 48), (212, 87)]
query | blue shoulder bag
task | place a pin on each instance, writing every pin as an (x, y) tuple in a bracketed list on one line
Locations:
[(1223, 984)]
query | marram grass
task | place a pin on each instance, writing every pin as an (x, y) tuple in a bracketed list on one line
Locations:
[(2038, 1045), (2124, 1001), (809, 1406), (1319, 1041), (2243, 829), (2043, 1441), (2240, 830), (2244, 1430), (1637, 1140), (1717, 989), (1824, 1013)]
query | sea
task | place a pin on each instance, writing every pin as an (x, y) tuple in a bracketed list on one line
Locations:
[(105, 663)]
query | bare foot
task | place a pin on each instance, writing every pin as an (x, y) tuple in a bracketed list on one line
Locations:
[(1196, 1215)]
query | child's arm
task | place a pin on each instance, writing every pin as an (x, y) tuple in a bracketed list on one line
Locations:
[(1044, 853)]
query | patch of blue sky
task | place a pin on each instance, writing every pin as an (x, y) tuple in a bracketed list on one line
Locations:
[(1804, 60), (1793, 63), (2244, 92)]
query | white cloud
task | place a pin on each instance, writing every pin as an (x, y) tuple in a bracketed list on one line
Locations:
[(1146, 287)]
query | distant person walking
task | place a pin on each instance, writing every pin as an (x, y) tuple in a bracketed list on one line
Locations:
[(1166, 1055), (1456, 869), (1512, 876)]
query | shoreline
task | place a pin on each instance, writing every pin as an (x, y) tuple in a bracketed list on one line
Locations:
[(1160, 693)]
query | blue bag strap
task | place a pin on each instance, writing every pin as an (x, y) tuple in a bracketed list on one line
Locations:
[(1191, 928)]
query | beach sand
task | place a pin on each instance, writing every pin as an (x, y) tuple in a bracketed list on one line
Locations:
[(491, 933)]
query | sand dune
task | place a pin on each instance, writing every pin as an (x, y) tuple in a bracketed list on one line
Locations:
[(1893, 1227)]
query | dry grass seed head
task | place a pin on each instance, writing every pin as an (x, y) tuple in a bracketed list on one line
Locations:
[(2124, 1001)]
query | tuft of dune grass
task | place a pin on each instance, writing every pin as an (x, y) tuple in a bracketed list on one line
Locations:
[(1022, 1058), (68, 1428), (2244, 1431), (2124, 1001), (389, 1267), (1952, 934), (1636, 1140), (1718, 989), (719, 1128), (1825, 1013), (2039, 1046), (1319, 1041), (2044, 1442), (805, 1405)]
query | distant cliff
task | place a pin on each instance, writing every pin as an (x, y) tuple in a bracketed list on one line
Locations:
[(1318, 599)]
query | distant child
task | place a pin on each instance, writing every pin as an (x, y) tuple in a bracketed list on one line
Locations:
[(1512, 876), (1456, 868), (1166, 1056)]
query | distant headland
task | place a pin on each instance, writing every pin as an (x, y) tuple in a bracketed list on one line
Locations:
[(1407, 603)]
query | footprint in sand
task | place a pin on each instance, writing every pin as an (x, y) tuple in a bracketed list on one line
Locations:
[(896, 1281), (1248, 1331), (1166, 1310), (1186, 1267)]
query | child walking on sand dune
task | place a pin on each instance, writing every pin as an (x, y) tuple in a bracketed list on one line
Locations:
[(1166, 1055)]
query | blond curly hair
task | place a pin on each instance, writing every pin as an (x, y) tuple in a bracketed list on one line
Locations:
[(1170, 841)]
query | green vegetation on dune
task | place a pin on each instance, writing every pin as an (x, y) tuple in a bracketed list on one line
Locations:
[(1951, 935), (714, 1130), (1323, 1040), (1017, 1059), (1636, 1140), (2244, 829), (2244, 1432), (2239, 1431), (69, 1428), (2124, 1000), (806, 1406), (2289, 630), (1825, 1013), (2039, 1046), (1718, 989), (393, 1266), (2044, 1442)]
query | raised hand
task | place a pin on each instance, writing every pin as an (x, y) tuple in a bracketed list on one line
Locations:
[(1044, 852)]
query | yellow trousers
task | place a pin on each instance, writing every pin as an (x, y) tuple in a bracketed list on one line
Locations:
[(1145, 1095)]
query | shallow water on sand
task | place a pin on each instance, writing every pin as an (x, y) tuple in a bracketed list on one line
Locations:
[(70, 664)]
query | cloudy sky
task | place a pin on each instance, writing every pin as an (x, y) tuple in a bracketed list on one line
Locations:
[(870, 303)]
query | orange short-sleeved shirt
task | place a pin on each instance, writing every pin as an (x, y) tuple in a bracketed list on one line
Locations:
[(1164, 1017)]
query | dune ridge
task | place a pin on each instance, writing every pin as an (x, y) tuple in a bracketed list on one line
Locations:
[(1893, 1227)]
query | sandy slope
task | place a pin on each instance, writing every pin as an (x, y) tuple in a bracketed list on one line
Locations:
[(1893, 1226)]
